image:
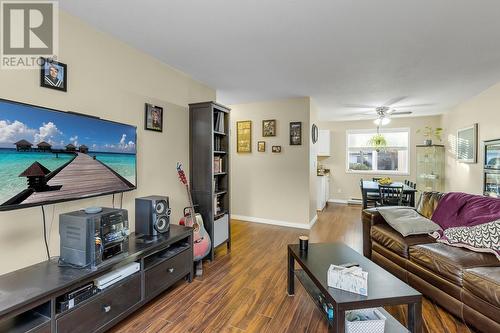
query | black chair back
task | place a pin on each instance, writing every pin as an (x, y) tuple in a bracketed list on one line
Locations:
[(391, 195)]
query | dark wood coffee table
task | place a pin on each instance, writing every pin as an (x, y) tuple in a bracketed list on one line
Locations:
[(383, 287)]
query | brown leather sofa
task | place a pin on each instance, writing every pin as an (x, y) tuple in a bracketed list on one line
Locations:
[(465, 283)]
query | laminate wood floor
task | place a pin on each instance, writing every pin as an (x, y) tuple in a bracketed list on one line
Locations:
[(245, 290)]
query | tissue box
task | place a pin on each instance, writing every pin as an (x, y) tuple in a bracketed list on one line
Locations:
[(352, 279), (374, 324)]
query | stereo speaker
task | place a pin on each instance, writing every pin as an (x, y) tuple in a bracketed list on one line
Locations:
[(152, 215)]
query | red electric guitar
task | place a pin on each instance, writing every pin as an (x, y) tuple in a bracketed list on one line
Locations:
[(201, 239)]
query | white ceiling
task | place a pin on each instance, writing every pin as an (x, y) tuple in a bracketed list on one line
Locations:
[(339, 52)]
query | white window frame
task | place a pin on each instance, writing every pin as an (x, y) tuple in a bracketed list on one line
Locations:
[(378, 172)]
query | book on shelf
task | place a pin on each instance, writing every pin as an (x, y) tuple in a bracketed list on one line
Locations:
[(218, 164), (217, 205), (219, 122), (218, 144)]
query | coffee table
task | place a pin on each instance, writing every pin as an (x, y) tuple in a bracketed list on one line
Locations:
[(383, 287)]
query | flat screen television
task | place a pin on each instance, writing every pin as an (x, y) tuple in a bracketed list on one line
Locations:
[(49, 156)]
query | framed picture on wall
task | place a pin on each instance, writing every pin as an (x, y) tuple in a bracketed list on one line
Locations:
[(261, 146), (53, 74), (269, 127), (244, 136), (467, 144), (276, 149), (295, 133), (153, 118)]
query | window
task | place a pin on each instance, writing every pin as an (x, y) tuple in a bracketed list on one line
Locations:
[(392, 159)]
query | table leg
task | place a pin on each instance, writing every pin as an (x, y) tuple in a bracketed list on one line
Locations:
[(339, 320), (415, 317), (291, 274), (412, 199)]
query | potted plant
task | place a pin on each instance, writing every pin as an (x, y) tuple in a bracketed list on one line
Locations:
[(378, 142), (430, 133)]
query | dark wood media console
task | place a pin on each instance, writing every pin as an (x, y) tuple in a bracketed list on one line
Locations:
[(28, 296)]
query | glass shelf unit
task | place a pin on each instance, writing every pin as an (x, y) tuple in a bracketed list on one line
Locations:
[(430, 168)]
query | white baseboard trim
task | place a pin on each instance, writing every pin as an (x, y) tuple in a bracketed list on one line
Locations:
[(338, 201), (346, 202), (313, 221), (273, 222)]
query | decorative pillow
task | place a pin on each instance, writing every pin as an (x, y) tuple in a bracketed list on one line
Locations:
[(480, 238), (407, 221)]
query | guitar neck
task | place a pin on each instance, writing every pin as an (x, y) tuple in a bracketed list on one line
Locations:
[(191, 206)]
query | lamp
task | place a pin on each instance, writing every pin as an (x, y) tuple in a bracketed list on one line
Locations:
[(382, 121)]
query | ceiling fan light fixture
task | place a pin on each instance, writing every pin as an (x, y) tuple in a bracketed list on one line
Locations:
[(382, 121)]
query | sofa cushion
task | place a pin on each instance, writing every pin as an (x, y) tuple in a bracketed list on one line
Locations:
[(448, 261), (407, 221), (391, 239), (484, 282), (428, 203)]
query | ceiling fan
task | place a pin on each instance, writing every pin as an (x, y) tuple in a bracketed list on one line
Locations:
[(384, 112)]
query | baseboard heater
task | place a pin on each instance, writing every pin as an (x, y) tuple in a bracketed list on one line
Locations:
[(354, 201)]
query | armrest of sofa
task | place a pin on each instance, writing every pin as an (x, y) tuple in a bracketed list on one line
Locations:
[(369, 218)]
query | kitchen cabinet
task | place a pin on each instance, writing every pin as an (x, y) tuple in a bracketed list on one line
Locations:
[(323, 143), (322, 191)]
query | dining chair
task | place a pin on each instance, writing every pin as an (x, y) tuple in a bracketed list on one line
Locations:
[(407, 196), (390, 195), (407, 182), (369, 199)]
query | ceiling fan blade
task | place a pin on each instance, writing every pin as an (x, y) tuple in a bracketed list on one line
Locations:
[(359, 106), (400, 113), (395, 100), (415, 105)]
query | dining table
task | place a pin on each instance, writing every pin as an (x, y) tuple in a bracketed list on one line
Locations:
[(373, 187)]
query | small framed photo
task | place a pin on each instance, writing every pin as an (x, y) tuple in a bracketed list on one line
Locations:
[(53, 74), (153, 118), (276, 149), (269, 127), (261, 146), (295, 133)]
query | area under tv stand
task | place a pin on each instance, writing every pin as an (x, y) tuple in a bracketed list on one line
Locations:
[(28, 296)]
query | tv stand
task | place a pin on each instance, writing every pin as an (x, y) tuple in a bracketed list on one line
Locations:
[(28, 296)]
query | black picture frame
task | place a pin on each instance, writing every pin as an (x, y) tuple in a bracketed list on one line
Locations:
[(276, 149), (47, 80), (295, 133), (150, 124)]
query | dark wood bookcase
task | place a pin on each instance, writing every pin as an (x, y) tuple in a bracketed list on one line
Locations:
[(209, 169)]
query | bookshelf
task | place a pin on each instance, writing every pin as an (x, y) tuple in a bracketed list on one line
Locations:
[(209, 169)]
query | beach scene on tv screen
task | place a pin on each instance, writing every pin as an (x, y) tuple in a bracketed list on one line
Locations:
[(48, 156)]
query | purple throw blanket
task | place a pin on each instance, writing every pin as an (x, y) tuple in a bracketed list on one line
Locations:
[(465, 210), (470, 221)]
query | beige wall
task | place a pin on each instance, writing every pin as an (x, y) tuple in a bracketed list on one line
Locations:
[(270, 187), (345, 186), (111, 80), (483, 109), (313, 163)]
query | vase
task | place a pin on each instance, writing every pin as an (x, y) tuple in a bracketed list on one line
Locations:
[(428, 142)]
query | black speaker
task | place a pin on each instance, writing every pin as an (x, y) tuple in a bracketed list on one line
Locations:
[(152, 215)]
